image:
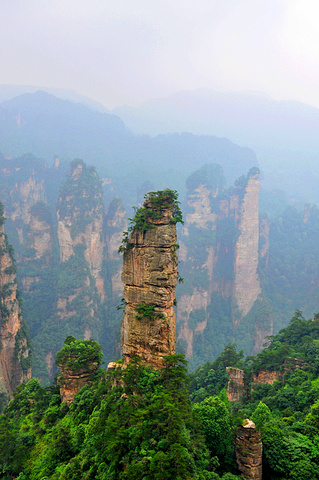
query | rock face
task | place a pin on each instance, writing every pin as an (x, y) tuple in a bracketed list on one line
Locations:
[(265, 377), (40, 235), (150, 276), (246, 285), (248, 447), (71, 381), (236, 386), (78, 361), (80, 235), (219, 254), (80, 219), (24, 195), (115, 225), (14, 348), (38, 254)]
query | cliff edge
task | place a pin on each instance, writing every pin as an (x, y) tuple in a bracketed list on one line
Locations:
[(14, 348)]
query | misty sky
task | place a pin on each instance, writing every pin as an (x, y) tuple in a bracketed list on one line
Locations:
[(126, 51)]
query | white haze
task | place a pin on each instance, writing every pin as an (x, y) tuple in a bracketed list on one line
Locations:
[(125, 52)]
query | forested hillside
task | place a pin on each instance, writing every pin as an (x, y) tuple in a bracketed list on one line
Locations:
[(141, 423)]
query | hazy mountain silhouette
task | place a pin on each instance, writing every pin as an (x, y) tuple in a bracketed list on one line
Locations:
[(245, 118), (7, 92), (284, 134)]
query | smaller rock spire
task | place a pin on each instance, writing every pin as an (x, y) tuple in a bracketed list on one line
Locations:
[(249, 448)]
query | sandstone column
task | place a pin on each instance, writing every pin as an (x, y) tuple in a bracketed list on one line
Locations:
[(249, 451), (14, 346), (150, 276)]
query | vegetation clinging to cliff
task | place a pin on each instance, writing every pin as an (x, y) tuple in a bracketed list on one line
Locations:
[(147, 310), (154, 205), (80, 196), (2, 218)]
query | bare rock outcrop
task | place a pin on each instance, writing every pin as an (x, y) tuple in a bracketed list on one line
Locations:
[(246, 285), (78, 361), (14, 347), (248, 446), (40, 235), (236, 384), (265, 377), (38, 254), (71, 381), (200, 201), (150, 277)]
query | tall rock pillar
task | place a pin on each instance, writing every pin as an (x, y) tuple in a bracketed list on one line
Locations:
[(14, 347), (150, 277), (246, 286), (249, 448)]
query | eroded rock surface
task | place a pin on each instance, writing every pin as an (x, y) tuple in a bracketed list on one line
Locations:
[(115, 224), (246, 286), (265, 377), (150, 276), (248, 446), (71, 381), (80, 219), (14, 348), (236, 384)]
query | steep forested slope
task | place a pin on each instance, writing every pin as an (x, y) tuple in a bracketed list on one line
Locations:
[(139, 423)]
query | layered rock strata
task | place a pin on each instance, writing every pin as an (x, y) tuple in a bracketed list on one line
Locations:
[(265, 377), (246, 285), (150, 276), (14, 348), (236, 384), (71, 381), (23, 190), (248, 446)]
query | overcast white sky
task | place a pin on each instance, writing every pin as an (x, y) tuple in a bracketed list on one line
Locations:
[(126, 51)]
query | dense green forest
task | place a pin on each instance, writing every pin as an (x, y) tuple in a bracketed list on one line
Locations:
[(140, 423)]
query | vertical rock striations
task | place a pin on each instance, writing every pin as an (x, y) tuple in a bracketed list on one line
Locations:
[(150, 277), (221, 295), (80, 219), (14, 348), (249, 447), (78, 361), (246, 285), (236, 384), (198, 251), (80, 234), (115, 224)]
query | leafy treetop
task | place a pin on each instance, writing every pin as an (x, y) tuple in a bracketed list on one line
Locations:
[(77, 354), (154, 205)]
